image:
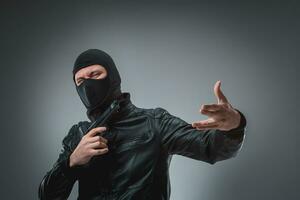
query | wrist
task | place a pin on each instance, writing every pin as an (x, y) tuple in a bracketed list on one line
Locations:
[(71, 161), (242, 121), (238, 121)]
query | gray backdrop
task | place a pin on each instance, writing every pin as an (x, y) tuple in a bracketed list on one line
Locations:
[(169, 54)]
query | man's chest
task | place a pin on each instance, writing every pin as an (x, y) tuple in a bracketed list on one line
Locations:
[(134, 147)]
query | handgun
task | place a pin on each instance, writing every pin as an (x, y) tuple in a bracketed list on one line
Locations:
[(102, 119)]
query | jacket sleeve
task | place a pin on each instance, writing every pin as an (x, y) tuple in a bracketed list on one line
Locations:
[(58, 182), (179, 137)]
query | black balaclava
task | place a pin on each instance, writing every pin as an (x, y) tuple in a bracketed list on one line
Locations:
[(97, 94)]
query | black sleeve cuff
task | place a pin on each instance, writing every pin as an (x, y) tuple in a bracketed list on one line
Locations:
[(72, 173)]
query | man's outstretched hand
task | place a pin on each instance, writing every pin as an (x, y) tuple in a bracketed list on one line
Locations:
[(221, 116)]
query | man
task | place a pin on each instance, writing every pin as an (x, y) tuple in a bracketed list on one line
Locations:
[(129, 157)]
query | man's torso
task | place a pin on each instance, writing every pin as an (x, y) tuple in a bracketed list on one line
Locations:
[(135, 166)]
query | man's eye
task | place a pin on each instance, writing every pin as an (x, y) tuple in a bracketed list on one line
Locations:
[(79, 81), (94, 76)]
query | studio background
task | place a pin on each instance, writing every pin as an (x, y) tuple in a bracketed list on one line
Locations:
[(169, 54)]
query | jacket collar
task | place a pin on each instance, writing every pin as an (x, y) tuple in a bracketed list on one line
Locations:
[(126, 107)]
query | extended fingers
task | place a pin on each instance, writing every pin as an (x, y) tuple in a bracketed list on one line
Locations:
[(210, 107), (209, 112), (209, 123)]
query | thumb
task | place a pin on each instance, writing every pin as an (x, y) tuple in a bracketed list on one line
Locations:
[(219, 94)]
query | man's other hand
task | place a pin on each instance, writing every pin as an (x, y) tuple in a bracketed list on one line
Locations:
[(221, 116)]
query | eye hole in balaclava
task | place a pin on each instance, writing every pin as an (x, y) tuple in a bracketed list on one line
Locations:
[(97, 94)]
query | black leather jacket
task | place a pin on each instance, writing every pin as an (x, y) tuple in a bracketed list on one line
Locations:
[(141, 143)]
